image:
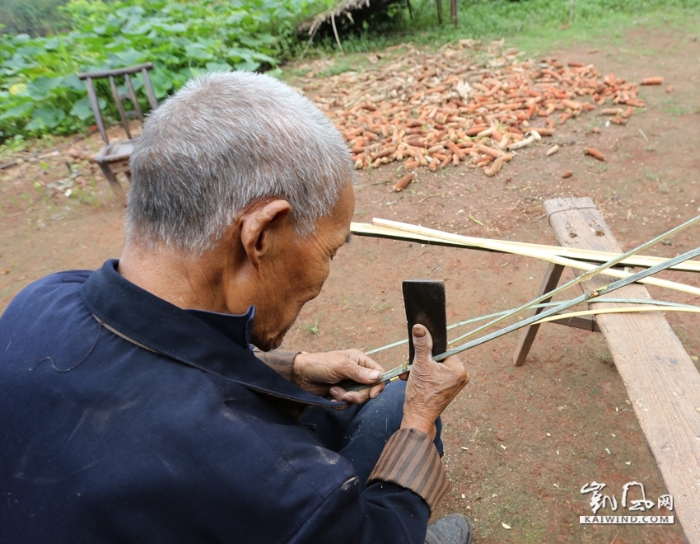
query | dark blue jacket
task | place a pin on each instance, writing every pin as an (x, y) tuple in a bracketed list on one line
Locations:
[(178, 439)]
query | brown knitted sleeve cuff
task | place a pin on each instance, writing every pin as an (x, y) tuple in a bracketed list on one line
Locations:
[(411, 460), (279, 361)]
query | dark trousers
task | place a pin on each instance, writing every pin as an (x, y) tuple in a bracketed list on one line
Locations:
[(360, 432)]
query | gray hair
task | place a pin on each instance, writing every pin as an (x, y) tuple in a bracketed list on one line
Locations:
[(222, 142)]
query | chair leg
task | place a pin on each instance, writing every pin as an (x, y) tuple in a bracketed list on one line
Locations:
[(527, 337), (114, 182)]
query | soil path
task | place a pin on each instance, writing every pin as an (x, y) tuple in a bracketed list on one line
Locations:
[(520, 443)]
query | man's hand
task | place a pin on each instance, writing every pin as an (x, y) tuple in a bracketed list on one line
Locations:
[(431, 385), (320, 374)]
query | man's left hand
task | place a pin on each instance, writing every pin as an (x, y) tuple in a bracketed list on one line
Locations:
[(320, 374)]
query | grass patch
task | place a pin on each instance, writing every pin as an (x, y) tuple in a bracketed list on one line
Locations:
[(535, 26), (311, 328), (343, 64), (35, 17), (675, 109)]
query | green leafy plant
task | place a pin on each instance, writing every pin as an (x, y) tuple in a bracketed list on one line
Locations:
[(40, 92)]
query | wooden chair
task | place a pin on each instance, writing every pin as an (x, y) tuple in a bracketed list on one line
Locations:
[(113, 158)]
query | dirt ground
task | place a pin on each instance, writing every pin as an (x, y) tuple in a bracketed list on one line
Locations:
[(520, 442)]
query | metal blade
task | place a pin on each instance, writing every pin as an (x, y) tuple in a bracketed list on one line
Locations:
[(425, 304)]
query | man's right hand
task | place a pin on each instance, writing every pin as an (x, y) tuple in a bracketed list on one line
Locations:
[(431, 385)]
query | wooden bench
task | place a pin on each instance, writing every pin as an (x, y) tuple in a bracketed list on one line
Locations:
[(662, 382)]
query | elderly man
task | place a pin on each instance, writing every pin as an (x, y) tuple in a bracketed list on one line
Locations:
[(133, 406)]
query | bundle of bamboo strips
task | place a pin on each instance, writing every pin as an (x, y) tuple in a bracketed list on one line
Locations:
[(640, 305), (554, 311), (396, 230), (585, 297)]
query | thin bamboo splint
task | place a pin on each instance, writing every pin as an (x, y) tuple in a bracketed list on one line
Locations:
[(396, 230)]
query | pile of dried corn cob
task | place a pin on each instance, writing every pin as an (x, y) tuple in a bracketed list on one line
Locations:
[(435, 110)]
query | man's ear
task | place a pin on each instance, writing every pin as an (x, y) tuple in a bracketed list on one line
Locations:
[(259, 224)]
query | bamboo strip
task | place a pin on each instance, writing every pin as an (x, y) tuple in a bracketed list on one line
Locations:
[(682, 287), (616, 311), (404, 231)]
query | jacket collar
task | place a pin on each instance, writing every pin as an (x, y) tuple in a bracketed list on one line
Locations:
[(214, 343)]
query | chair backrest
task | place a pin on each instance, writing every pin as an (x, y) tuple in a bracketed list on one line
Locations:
[(89, 78)]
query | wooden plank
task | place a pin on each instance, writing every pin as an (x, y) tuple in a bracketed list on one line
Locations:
[(661, 379)]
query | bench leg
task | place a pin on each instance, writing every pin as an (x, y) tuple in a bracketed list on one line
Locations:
[(527, 337)]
